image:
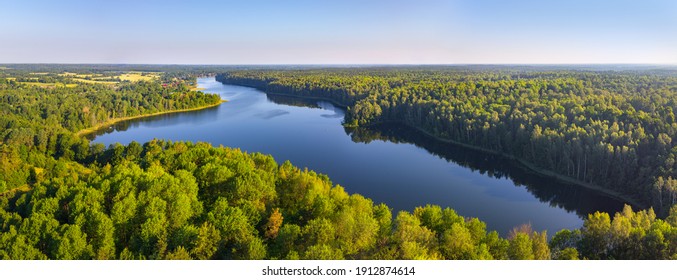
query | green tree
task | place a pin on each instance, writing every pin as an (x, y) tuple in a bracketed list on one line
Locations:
[(596, 235), (521, 247), (71, 244), (457, 243), (179, 253), (207, 241)]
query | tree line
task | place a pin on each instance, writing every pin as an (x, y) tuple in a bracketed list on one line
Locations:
[(64, 198), (179, 200), (38, 122), (611, 129)]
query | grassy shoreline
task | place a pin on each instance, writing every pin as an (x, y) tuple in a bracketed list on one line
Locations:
[(117, 120)]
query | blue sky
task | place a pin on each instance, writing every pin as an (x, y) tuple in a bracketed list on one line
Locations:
[(339, 32)]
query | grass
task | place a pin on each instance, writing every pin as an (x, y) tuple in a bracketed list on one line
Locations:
[(45, 85), (69, 74), (93, 81), (128, 76), (138, 76), (93, 78)]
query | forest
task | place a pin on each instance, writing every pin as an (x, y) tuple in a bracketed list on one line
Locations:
[(64, 198), (45, 121), (609, 129)]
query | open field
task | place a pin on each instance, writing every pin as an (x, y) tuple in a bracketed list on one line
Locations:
[(45, 85), (129, 76), (93, 81), (83, 76), (138, 76), (73, 79)]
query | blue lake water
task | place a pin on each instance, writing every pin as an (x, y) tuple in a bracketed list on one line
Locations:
[(390, 164)]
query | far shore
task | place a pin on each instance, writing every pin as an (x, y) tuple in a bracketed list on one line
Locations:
[(117, 120), (328, 99), (529, 166)]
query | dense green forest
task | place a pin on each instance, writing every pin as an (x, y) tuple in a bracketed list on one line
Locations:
[(64, 198), (613, 129), (38, 121)]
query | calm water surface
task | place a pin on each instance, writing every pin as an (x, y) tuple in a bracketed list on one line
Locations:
[(390, 164)]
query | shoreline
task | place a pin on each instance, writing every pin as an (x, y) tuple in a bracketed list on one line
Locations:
[(336, 104), (530, 167), (110, 122), (524, 164), (333, 102)]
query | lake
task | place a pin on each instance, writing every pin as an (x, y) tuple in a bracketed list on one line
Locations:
[(390, 164)]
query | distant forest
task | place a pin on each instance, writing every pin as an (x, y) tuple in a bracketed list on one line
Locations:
[(62, 197)]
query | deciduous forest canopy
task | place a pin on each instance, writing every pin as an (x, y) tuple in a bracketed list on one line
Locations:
[(64, 198)]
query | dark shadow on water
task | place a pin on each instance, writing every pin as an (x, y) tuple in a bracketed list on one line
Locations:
[(308, 103), (292, 101), (271, 114), (198, 116), (332, 116), (570, 197)]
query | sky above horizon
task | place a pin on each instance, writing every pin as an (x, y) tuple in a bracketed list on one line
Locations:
[(339, 32)]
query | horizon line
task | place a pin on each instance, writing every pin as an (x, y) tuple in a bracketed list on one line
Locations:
[(349, 64)]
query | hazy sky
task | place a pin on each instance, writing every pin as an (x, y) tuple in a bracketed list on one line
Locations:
[(338, 32)]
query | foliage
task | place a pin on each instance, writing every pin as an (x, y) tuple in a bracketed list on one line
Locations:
[(62, 198), (611, 129)]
